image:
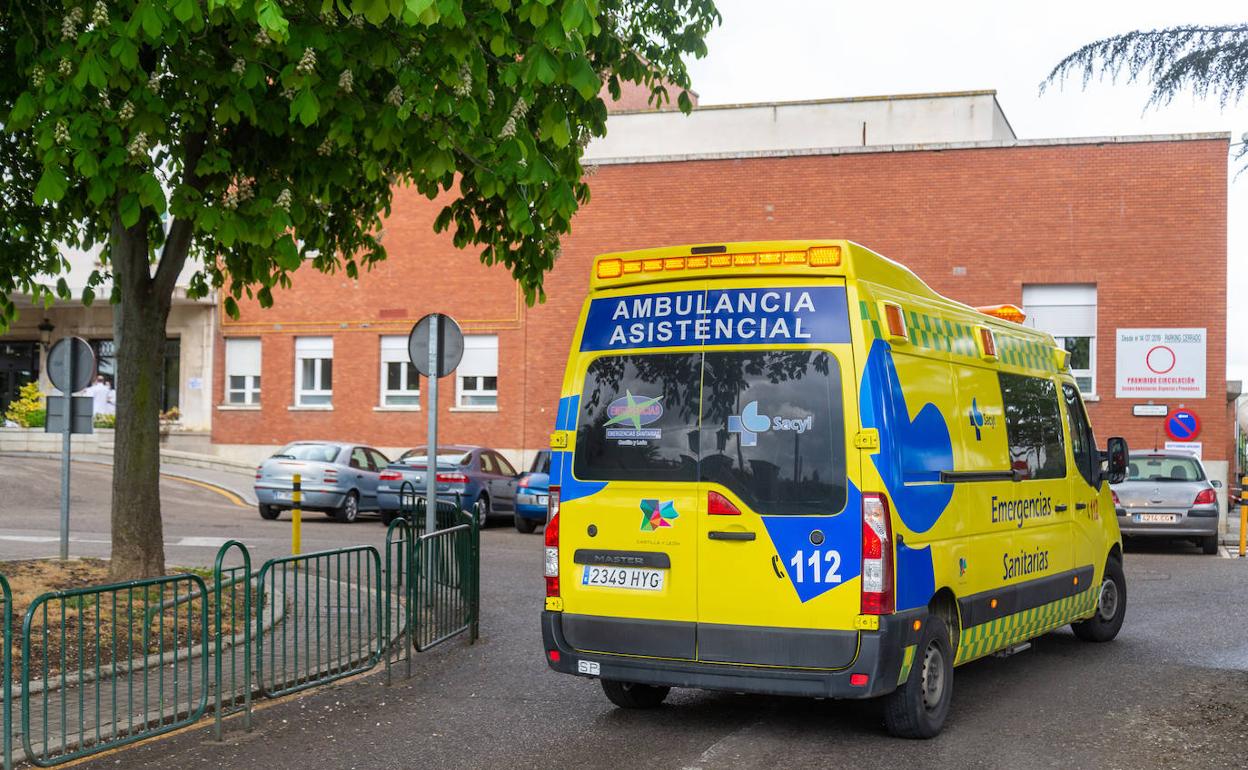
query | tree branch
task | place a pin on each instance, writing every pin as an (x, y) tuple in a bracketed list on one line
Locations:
[(178, 243)]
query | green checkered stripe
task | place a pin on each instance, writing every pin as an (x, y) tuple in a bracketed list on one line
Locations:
[(958, 339), (986, 638), (1028, 354), (907, 660)]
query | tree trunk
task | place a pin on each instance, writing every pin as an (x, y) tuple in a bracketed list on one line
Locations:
[(139, 317)]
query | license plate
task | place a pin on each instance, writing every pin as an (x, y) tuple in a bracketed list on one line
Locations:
[(1156, 518), (635, 578), (543, 499), (282, 496), (590, 667)]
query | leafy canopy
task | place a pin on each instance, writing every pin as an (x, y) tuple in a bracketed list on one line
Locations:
[(260, 133)]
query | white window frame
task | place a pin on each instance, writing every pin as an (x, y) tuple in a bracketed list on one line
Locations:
[(394, 351), (242, 359), (313, 395), (1067, 311), (480, 362)]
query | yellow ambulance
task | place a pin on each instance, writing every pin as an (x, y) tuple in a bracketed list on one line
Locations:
[(793, 468)]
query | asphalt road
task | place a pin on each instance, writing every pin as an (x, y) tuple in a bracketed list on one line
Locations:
[(1172, 691), (196, 520)]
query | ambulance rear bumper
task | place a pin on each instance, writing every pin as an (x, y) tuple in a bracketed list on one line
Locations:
[(879, 658)]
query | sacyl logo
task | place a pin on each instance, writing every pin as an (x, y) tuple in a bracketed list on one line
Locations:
[(750, 423), (980, 420)]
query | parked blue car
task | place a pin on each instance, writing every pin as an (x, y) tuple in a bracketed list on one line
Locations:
[(533, 493), (336, 477), (480, 478)]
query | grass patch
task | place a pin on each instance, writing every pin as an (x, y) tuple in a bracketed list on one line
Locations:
[(86, 632)]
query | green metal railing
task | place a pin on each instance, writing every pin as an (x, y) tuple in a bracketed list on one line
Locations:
[(104, 666), (321, 639), (132, 685), (399, 546), (239, 688), (6, 676), (446, 575)]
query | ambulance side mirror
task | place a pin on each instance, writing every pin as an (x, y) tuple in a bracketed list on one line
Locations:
[(1116, 454)]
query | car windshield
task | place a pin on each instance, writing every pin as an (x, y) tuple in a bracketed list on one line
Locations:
[(324, 453), (418, 456), (1164, 468)]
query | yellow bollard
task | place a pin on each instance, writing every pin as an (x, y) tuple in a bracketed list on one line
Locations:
[(296, 516), (1243, 517)]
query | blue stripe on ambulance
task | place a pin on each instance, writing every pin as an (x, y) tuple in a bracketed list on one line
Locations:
[(570, 488), (912, 454), (842, 534)]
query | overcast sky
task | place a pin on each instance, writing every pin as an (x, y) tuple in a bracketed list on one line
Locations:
[(808, 49)]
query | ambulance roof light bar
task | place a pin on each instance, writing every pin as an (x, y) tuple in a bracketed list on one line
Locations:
[(1007, 312), (704, 258)]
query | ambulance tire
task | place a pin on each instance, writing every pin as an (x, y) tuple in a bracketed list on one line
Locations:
[(1103, 626), (919, 707), (631, 695)]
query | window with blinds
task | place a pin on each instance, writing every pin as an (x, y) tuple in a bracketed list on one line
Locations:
[(1068, 312)]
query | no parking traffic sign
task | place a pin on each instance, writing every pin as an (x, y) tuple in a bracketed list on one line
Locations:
[(1182, 425)]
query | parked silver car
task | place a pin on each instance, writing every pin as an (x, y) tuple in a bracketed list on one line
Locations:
[(337, 478), (1168, 494)]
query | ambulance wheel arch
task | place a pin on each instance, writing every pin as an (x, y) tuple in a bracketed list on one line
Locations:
[(944, 605)]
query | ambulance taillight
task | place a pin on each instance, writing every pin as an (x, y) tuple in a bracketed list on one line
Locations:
[(552, 543), (877, 556)]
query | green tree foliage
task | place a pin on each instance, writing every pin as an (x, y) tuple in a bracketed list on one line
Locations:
[(253, 136)]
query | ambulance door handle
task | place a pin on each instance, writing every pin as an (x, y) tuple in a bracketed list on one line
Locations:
[(1080, 506), (718, 535), (1060, 507)]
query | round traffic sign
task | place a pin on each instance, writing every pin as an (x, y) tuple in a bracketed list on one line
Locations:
[(450, 345), (1182, 425), (71, 364)]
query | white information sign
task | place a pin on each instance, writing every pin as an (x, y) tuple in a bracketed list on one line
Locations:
[(1161, 363), (1195, 447)]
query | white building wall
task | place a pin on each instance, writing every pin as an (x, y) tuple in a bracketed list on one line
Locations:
[(895, 120)]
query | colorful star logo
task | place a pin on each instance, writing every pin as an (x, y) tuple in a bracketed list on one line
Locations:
[(633, 409), (655, 516)]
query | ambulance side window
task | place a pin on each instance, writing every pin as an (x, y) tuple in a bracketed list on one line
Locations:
[(639, 418), (773, 431), (1033, 425), (1082, 443)]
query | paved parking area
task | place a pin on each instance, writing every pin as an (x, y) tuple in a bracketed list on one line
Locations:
[(1172, 691)]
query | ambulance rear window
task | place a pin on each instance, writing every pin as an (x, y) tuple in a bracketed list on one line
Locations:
[(773, 431), (639, 418), (767, 425)]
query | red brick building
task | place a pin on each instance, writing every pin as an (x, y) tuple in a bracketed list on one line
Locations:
[(1101, 234)]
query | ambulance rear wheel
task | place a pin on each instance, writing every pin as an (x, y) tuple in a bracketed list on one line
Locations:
[(631, 695), (919, 707), (1111, 607)]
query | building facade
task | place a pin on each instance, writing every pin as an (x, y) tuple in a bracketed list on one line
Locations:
[(1091, 236)]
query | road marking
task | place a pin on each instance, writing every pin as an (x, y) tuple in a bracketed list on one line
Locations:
[(185, 542), (200, 542), (227, 494)]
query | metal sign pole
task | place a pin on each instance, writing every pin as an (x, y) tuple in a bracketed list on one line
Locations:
[(67, 400), (431, 452)]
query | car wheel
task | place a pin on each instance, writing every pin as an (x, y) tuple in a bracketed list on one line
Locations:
[(481, 511), (269, 512), (388, 517), (349, 509), (1209, 545), (918, 708), (1111, 607), (525, 525), (631, 695)]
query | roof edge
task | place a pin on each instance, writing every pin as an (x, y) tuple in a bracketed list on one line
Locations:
[(934, 147), (831, 100)]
